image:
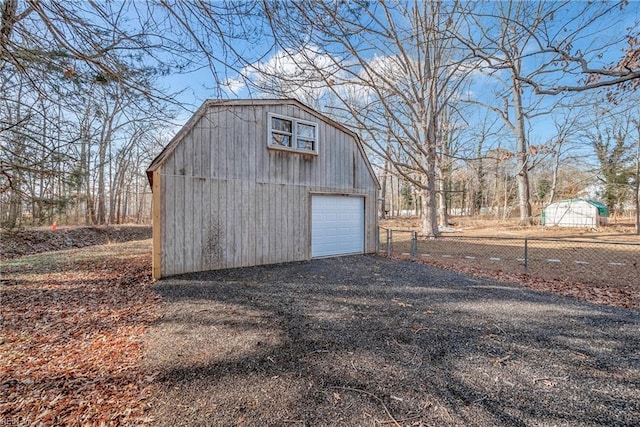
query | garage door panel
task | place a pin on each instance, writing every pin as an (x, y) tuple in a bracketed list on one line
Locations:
[(337, 225)]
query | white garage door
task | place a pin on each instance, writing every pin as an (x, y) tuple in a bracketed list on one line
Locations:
[(337, 225)]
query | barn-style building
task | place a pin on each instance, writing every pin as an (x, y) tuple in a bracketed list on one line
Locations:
[(251, 182)]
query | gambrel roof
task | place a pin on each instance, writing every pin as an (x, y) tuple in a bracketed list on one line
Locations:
[(212, 103)]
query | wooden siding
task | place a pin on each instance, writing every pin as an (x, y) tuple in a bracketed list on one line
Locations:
[(227, 200), (156, 222)]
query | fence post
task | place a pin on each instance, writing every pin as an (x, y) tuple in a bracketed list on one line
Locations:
[(526, 254), (414, 245), (389, 242)]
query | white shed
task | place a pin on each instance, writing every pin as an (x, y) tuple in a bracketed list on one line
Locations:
[(575, 213)]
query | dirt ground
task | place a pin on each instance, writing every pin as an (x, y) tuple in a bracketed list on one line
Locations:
[(370, 341)]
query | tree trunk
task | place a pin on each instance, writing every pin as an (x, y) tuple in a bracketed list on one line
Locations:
[(429, 214), (463, 203), (398, 198), (103, 162), (443, 215), (429, 192), (554, 181), (86, 182), (637, 198), (522, 178), (495, 205), (505, 205), (15, 208), (383, 207), (478, 194), (101, 196)]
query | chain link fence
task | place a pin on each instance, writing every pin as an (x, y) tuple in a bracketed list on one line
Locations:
[(584, 261)]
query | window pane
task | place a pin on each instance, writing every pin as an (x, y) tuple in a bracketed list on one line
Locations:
[(306, 131), (305, 144), (280, 124), (279, 139)]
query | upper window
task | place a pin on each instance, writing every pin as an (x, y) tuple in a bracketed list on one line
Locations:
[(292, 134)]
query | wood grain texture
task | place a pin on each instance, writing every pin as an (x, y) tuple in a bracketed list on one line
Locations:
[(157, 226), (226, 200)]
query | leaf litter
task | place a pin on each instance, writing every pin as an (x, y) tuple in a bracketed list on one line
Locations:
[(72, 323)]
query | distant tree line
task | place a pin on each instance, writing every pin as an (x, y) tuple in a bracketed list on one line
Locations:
[(449, 97), (82, 107)]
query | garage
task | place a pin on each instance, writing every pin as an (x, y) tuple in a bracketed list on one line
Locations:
[(235, 188), (337, 225)]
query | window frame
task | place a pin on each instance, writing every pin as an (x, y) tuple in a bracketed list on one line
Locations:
[(295, 122)]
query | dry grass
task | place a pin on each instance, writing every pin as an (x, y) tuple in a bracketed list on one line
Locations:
[(570, 256), (622, 230)]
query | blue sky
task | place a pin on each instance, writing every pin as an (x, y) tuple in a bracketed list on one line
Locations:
[(200, 85)]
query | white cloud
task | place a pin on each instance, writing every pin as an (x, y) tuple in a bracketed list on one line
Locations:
[(302, 74), (234, 86)]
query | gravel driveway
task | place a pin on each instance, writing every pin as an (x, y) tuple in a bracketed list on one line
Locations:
[(366, 341)]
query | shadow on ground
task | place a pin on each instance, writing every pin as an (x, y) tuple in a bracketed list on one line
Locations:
[(364, 340)]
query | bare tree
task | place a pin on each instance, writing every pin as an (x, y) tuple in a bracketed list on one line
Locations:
[(583, 46), (561, 144), (387, 69), (500, 39), (636, 192), (81, 61), (536, 48), (478, 160), (51, 55)]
